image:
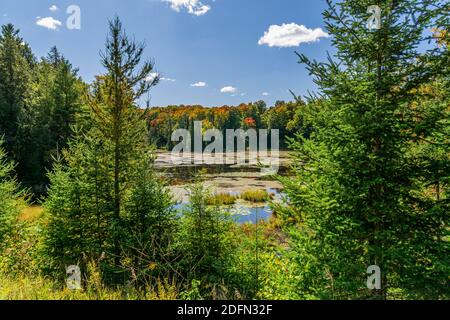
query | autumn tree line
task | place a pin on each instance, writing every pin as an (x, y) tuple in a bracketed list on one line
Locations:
[(283, 116), (370, 183)]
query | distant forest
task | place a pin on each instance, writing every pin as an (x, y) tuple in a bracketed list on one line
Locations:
[(284, 116)]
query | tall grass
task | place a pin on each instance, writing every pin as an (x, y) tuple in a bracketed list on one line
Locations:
[(221, 199), (41, 288), (256, 196)]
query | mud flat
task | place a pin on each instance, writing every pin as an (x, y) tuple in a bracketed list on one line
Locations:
[(233, 183), (223, 178), (183, 170)]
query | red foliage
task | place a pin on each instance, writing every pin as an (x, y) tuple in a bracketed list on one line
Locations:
[(250, 122)]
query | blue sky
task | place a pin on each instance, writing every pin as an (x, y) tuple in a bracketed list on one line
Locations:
[(244, 48)]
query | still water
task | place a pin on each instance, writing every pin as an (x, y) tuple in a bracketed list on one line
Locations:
[(247, 214)]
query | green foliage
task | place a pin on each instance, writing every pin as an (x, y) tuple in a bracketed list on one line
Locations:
[(150, 223), (361, 193), (16, 62), (371, 184), (38, 105), (105, 201), (45, 126), (11, 198), (17, 238), (76, 213), (205, 241), (163, 121)]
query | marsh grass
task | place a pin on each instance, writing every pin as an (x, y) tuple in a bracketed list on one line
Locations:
[(256, 196), (221, 199)]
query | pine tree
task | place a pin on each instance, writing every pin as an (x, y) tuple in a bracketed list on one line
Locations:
[(76, 220), (11, 198), (105, 199), (360, 195), (16, 62), (204, 240), (17, 238), (118, 120), (55, 96), (150, 223)]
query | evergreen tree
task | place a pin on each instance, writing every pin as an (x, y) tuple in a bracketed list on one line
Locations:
[(16, 63), (361, 196), (67, 91), (204, 241), (17, 238), (107, 198), (45, 126), (76, 221), (11, 198), (118, 121), (150, 224)]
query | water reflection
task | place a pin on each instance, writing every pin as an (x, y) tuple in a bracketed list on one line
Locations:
[(252, 215), (241, 214)]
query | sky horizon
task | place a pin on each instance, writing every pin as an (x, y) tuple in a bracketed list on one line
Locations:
[(208, 52)]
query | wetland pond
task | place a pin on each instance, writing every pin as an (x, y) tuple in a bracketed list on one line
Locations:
[(246, 212), (226, 179)]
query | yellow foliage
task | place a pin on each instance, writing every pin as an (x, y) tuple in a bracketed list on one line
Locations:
[(32, 213)]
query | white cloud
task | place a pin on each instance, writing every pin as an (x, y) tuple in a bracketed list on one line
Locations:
[(199, 84), (290, 35), (53, 8), (49, 23), (195, 7), (265, 94), (153, 75), (228, 89)]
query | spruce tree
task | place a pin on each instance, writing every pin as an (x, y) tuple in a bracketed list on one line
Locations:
[(204, 241), (360, 195), (16, 240), (150, 223), (119, 122), (11, 198), (55, 97), (105, 199), (16, 63)]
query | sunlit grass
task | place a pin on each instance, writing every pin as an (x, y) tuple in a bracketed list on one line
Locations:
[(31, 213), (40, 288), (222, 199), (256, 196)]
